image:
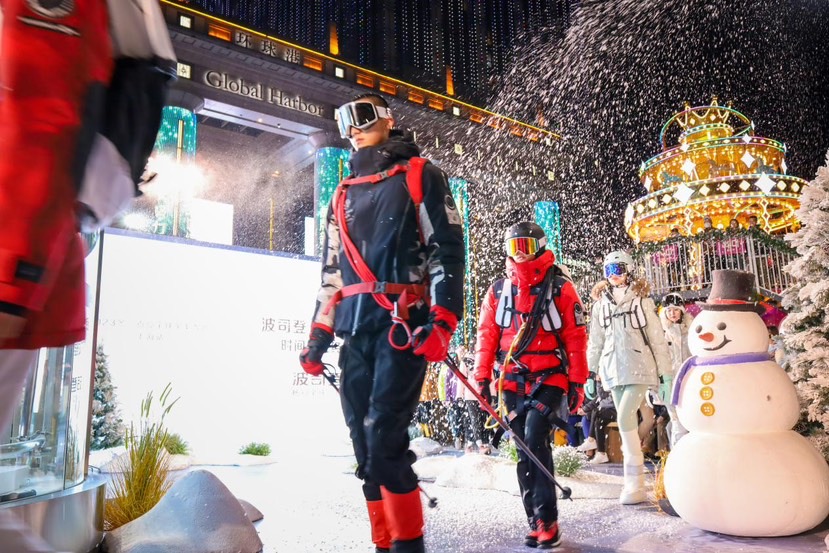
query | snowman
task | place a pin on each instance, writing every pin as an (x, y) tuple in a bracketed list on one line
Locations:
[(741, 470)]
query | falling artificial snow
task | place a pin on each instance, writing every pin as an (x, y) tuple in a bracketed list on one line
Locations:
[(620, 70)]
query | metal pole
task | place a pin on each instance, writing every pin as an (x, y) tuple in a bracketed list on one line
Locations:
[(565, 491)]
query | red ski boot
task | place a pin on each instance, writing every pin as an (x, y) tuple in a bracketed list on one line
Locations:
[(380, 535), (531, 539), (549, 535)]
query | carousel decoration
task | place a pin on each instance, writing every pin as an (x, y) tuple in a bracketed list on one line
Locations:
[(718, 168)]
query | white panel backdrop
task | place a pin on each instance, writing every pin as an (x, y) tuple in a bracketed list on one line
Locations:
[(224, 327)]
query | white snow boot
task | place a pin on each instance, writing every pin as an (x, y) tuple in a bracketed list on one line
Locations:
[(633, 491)]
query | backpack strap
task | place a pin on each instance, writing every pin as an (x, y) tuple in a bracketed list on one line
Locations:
[(414, 179), (376, 177), (414, 182)]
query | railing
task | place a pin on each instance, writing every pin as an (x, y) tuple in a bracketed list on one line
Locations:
[(685, 265)]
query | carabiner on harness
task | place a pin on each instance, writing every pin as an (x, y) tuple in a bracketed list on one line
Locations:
[(396, 320)]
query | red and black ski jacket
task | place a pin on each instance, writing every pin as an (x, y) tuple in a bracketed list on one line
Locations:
[(556, 353), (384, 227)]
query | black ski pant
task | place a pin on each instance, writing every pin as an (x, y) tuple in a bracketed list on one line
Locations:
[(537, 491), (380, 387)]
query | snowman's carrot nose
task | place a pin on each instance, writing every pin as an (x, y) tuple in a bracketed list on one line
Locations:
[(707, 337)]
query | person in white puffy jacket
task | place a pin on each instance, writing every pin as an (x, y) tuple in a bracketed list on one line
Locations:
[(627, 349), (675, 321)]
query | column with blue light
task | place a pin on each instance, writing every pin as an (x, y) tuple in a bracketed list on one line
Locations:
[(467, 328), (176, 141), (330, 167), (548, 217)]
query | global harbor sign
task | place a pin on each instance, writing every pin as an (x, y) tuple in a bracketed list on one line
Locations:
[(261, 92)]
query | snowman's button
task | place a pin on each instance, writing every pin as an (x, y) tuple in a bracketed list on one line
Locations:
[(706, 392), (707, 377), (707, 409)]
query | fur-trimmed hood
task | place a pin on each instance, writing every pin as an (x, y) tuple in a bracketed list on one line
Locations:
[(639, 286)]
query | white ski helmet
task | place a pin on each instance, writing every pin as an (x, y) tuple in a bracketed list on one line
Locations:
[(617, 263)]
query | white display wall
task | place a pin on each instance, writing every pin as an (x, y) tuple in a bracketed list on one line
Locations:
[(224, 327)]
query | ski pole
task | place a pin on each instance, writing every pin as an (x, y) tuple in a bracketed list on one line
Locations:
[(328, 374), (433, 501), (566, 492)]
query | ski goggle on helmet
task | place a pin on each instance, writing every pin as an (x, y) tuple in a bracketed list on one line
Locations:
[(617, 264), (359, 114), (527, 238)]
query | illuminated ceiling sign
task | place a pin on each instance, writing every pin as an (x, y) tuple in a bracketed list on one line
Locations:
[(262, 92)]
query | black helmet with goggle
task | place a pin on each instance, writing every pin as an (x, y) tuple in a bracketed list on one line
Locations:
[(526, 238), (359, 114)]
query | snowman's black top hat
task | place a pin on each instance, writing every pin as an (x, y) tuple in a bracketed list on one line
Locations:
[(733, 291)]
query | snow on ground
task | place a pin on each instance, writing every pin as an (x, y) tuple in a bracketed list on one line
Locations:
[(313, 503)]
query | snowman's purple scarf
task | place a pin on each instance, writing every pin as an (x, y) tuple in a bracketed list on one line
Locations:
[(732, 359)]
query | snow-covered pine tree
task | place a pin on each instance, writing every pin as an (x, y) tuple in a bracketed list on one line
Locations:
[(806, 329), (107, 426)]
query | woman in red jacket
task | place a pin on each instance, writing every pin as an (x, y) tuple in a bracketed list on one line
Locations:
[(532, 323)]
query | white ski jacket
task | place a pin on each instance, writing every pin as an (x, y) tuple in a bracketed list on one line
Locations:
[(627, 343)]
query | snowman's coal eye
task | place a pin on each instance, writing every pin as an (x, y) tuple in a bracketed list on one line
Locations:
[(698, 329), (721, 326)]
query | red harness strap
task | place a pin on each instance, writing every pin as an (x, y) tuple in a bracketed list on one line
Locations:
[(376, 177), (408, 294)]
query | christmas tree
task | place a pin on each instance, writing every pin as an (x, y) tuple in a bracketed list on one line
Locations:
[(107, 426), (806, 329)]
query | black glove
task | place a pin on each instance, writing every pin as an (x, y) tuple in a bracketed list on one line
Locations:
[(311, 357), (575, 396), (483, 389)]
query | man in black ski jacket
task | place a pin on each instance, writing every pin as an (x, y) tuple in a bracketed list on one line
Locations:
[(393, 261)]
